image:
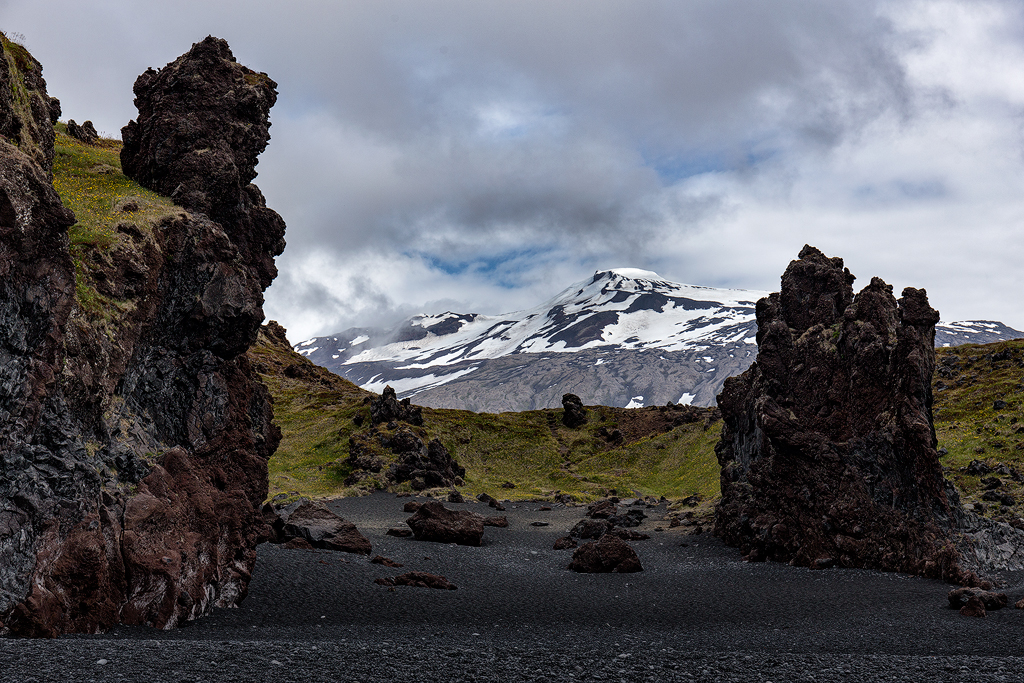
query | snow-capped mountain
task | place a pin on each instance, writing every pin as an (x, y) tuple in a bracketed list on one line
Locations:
[(973, 332), (625, 337)]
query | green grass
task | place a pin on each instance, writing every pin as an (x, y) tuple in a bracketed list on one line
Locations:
[(89, 180), (531, 450), (968, 425)]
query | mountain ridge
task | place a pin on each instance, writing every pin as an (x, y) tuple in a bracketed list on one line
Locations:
[(624, 337)]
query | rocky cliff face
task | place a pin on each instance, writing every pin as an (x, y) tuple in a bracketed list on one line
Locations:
[(828, 450), (134, 438)]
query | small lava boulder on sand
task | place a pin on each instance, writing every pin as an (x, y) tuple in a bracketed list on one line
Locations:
[(417, 580), (315, 523), (434, 522), (590, 528), (961, 597), (610, 554), (565, 543)]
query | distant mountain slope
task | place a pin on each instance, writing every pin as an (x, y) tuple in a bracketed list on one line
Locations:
[(973, 332), (624, 337)]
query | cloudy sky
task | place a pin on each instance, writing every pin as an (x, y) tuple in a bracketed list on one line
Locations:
[(481, 155)]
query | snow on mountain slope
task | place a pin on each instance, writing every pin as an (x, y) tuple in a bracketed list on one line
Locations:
[(973, 332), (623, 337), (627, 308)]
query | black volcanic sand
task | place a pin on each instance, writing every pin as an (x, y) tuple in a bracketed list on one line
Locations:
[(696, 612)]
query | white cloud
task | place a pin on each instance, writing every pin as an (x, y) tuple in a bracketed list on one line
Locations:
[(481, 156)]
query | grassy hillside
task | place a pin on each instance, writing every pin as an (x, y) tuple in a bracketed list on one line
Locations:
[(979, 415), (532, 450), (107, 204)]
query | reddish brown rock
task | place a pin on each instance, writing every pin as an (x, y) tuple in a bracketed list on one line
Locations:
[(610, 554), (500, 522), (385, 561), (417, 580), (135, 439), (565, 543), (961, 597), (974, 607), (602, 509), (491, 501), (434, 522), (319, 527), (411, 506), (828, 448)]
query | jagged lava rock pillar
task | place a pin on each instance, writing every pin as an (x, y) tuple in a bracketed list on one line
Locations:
[(828, 450), (133, 454), (203, 120)]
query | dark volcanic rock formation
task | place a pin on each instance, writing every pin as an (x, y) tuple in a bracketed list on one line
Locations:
[(828, 451), (83, 133), (388, 408), (133, 440), (394, 449), (317, 525), (610, 554), (573, 413), (434, 522)]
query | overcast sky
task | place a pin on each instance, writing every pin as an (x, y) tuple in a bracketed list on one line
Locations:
[(482, 155)]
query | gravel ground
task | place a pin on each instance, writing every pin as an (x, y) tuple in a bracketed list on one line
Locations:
[(695, 613)]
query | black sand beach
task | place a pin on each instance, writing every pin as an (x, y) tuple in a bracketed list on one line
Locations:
[(696, 613)]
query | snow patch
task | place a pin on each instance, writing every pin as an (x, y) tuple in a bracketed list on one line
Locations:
[(415, 384), (359, 340), (686, 399), (635, 273), (636, 402)]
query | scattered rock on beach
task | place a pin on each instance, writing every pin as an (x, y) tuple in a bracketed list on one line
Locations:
[(500, 522), (602, 509), (418, 580), (629, 518), (434, 522), (610, 554), (315, 523), (411, 506), (568, 542), (398, 532), (385, 561), (974, 607), (590, 528), (961, 597), (491, 501)]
